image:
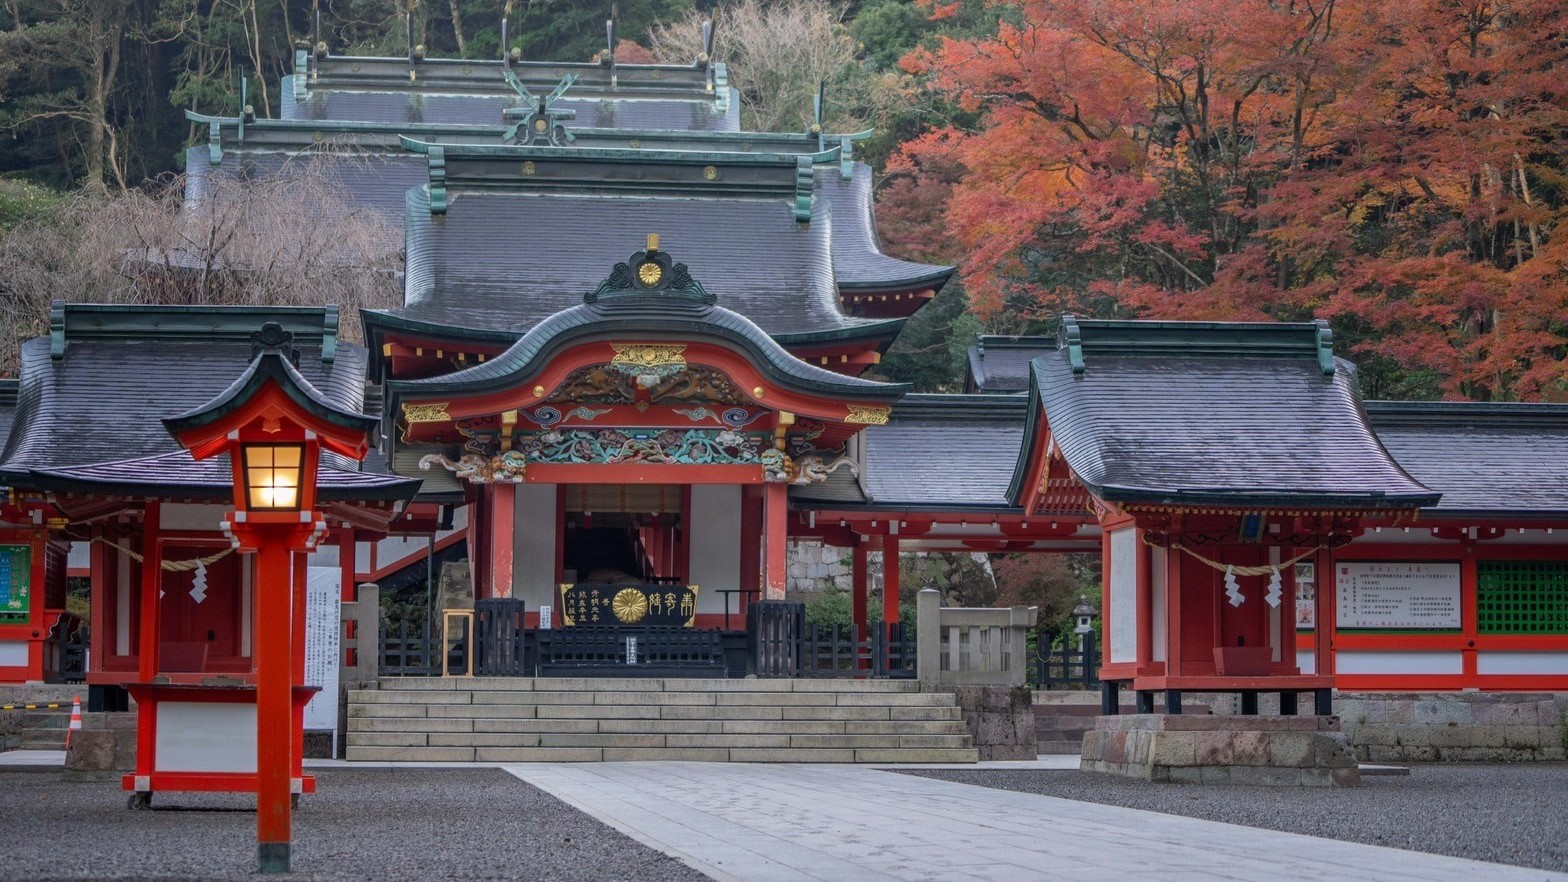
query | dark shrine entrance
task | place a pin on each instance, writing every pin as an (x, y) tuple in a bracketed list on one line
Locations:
[(620, 533)]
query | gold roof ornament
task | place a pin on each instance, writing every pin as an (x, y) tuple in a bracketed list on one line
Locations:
[(868, 414)]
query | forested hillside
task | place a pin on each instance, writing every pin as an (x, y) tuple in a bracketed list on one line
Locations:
[(1395, 167)]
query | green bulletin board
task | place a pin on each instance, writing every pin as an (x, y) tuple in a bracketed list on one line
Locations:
[(16, 583)]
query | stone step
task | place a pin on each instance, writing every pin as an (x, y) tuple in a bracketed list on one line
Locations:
[(670, 684), (636, 726), (652, 712), (583, 720), (357, 753), (682, 740), (622, 699), (1072, 748)]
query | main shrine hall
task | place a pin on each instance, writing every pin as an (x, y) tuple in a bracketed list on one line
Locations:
[(633, 370)]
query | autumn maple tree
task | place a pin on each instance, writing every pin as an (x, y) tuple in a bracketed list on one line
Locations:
[(1396, 167)]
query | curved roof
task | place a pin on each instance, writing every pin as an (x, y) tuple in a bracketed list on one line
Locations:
[(505, 261), (176, 476), (857, 254), (1485, 458), (98, 390), (1001, 364), (649, 316), (1188, 413)]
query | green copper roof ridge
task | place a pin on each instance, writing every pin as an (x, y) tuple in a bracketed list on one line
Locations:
[(131, 322), (1439, 415), (377, 127), (616, 154), (1081, 337)]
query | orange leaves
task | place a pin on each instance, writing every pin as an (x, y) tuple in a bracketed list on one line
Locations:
[(1399, 167)]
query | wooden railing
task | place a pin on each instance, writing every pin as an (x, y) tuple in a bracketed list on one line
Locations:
[(962, 646)]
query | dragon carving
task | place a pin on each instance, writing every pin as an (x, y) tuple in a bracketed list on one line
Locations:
[(508, 468)]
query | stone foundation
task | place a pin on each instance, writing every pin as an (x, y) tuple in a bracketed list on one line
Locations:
[(1000, 720), (1216, 749), (1487, 727), (106, 743)]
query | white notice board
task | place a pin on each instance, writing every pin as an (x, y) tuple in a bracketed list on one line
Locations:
[(323, 627), (1397, 594)]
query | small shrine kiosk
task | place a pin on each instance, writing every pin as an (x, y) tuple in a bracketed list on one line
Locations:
[(1215, 456), (645, 438), (171, 601)]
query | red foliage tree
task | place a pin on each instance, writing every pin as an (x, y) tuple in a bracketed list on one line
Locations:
[(1397, 167)]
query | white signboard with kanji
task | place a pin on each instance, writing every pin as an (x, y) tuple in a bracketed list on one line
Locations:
[(323, 627), (1397, 594)]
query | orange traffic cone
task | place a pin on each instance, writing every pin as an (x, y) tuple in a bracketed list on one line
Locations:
[(76, 719)]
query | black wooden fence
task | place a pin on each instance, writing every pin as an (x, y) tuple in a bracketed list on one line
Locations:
[(1065, 667), (496, 642), (785, 645), (500, 639)]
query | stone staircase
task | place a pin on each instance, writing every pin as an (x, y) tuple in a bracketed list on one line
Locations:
[(40, 729), (493, 719)]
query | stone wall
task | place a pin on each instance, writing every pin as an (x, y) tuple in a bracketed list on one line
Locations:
[(1464, 726), (815, 566), (1000, 720)]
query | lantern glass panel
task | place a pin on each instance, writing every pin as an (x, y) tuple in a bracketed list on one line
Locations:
[(273, 474)]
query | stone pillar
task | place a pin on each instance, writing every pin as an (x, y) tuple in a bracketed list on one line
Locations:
[(928, 637)]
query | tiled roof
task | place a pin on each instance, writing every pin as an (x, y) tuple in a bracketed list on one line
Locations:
[(356, 105), (379, 181), (506, 261), (122, 370), (857, 255), (1505, 459), (946, 451), (1001, 364), (1204, 413), (176, 476), (650, 314)]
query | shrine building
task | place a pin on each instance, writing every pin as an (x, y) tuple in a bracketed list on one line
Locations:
[(633, 366)]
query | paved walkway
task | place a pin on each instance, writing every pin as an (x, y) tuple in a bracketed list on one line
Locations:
[(791, 822)]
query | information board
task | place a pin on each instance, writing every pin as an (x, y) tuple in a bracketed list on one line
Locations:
[(16, 581), (323, 628), (1397, 594)]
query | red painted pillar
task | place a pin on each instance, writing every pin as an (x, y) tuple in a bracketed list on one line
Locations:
[(775, 559), (299, 564), (502, 504), (348, 563), (274, 680), (103, 585), (750, 543), (1323, 615), (890, 580), (858, 581), (151, 583)]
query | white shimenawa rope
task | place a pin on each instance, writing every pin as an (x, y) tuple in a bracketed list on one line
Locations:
[(170, 566)]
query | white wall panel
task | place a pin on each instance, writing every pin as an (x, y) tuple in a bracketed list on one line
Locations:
[(714, 525)]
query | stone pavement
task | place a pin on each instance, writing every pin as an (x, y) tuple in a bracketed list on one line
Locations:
[(791, 822)]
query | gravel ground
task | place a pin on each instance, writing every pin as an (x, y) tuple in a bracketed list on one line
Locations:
[(1513, 814), (412, 824)]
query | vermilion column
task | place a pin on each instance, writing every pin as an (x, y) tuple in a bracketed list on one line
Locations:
[(274, 678), (775, 519), (858, 581), (889, 579), (501, 501)]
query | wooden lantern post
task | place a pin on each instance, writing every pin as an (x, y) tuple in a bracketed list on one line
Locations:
[(274, 426)]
